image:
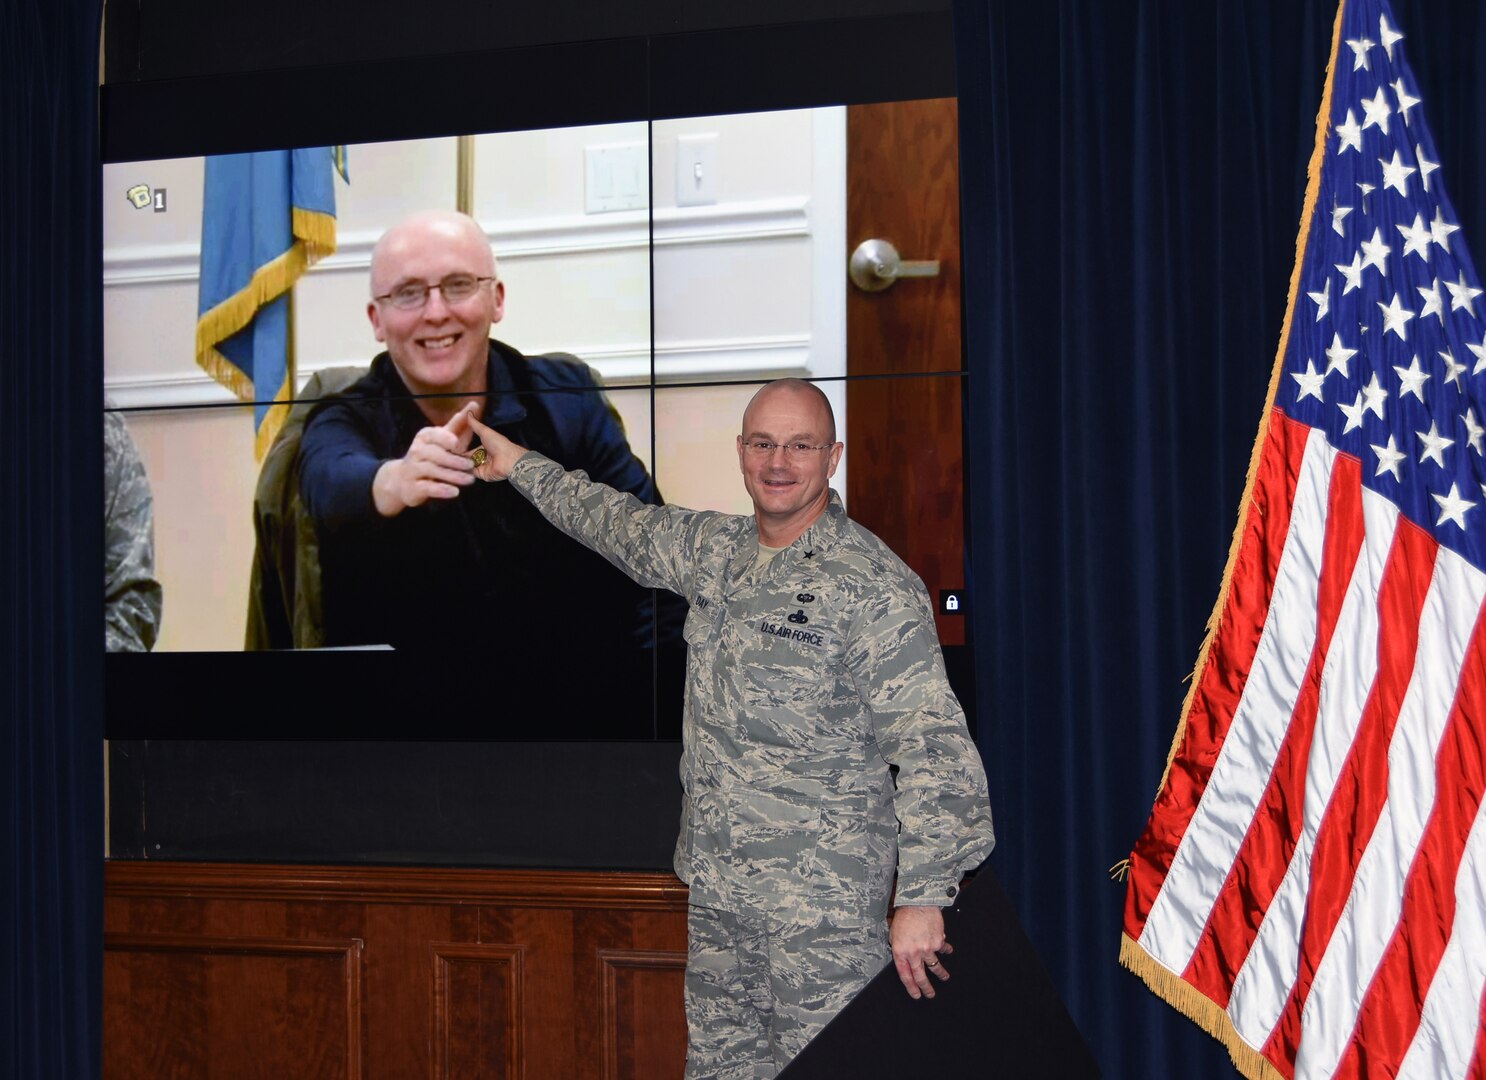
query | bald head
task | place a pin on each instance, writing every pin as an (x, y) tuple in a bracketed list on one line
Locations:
[(806, 393), (788, 453), (439, 344), (429, 229)]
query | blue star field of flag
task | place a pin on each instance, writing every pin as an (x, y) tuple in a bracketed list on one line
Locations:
[(1387, 347)]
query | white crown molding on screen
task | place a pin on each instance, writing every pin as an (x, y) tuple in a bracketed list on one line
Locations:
[(764, 219), (618, 365)]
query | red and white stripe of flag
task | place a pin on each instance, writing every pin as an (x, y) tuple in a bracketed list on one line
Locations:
[(1312, 883)]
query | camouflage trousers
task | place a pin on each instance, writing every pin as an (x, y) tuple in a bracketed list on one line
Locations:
[(757, 990)]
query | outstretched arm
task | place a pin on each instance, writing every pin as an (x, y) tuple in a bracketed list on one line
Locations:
[(501, 454), (654, 545)]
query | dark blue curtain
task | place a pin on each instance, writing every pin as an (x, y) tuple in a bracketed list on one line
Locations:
[(1133, 174), (51, 497)]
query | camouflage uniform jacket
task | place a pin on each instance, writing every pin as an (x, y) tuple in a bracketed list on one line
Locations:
[(806, 680), (131, 595)]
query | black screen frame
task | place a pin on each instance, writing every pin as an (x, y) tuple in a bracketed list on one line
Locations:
[(644, 78), (659, 77)]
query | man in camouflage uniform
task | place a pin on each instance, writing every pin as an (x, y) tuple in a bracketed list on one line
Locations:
[(131, 595), (812, 669)]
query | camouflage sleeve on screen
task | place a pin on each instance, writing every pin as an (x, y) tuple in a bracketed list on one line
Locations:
[(652, 544), (131, 595), (941, 801)]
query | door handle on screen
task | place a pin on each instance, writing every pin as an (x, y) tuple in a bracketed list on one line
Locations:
[(875, 265)]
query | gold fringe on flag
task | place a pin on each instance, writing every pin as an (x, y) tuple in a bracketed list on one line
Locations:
[(269, 281), (223, 370), (1312, 193), (1201, 1010), (314, 239), (274, 419), (317, 230)]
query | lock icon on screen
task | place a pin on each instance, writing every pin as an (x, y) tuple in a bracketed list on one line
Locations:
[(951, 602)]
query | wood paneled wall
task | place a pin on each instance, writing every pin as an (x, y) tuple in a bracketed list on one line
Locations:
[(232, 970)]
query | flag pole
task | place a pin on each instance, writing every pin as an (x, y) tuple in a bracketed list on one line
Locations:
[(291, 350), (464, 175)]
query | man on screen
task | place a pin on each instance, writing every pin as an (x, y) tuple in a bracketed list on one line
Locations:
[(402, 533), (813, 672)]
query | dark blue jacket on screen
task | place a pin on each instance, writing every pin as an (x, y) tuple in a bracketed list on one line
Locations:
[(483, 565)]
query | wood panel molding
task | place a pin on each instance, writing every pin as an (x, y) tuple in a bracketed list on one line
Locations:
[(175, 962), (335, 972), (463, 1029), (619, 1035), (397, 884)]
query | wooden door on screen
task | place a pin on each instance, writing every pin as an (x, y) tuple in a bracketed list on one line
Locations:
[(905, 479)]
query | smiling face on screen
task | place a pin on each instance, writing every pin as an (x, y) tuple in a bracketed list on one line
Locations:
[(439, 345)]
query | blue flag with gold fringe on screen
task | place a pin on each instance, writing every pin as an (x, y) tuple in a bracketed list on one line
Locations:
[(266, 218)]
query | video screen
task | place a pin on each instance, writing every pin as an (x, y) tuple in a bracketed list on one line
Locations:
[(647, 278)]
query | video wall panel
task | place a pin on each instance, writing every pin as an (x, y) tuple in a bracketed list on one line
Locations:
[(653, 274)]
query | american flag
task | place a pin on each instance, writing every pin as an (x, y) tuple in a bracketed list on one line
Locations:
[(1311, 887)]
